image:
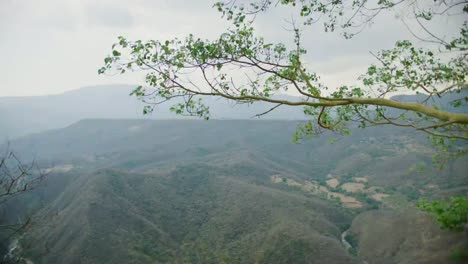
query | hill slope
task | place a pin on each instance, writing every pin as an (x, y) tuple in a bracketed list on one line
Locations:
[(190, 214), (186, 191)]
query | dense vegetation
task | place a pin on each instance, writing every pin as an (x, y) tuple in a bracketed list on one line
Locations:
[(452, 214), (166, 192)]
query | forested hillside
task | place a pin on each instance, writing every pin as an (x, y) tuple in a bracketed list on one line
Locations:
[(142, 191)]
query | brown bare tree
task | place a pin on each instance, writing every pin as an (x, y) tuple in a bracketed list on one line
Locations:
[(16, 178)]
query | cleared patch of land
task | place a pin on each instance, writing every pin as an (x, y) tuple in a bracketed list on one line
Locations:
[(360, 179), (333, 182), (357, 186), (379, 196), (353, 187), (319, 190), (59, 168)]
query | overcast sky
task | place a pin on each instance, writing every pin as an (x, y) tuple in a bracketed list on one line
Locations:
[(52, 46)]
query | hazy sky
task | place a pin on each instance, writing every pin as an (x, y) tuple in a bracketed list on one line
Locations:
[(52, 46)]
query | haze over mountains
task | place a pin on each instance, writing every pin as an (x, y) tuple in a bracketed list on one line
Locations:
[(23, 115), (20, 116), (220, 191)]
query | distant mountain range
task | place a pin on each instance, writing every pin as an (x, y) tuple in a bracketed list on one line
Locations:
[(20, 116), (24, 115)]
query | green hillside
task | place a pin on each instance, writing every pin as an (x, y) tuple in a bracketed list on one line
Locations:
[(190, 214), (134, 191)]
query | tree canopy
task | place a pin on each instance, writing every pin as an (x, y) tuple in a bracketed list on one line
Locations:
[(241, 66), (451, 214)]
